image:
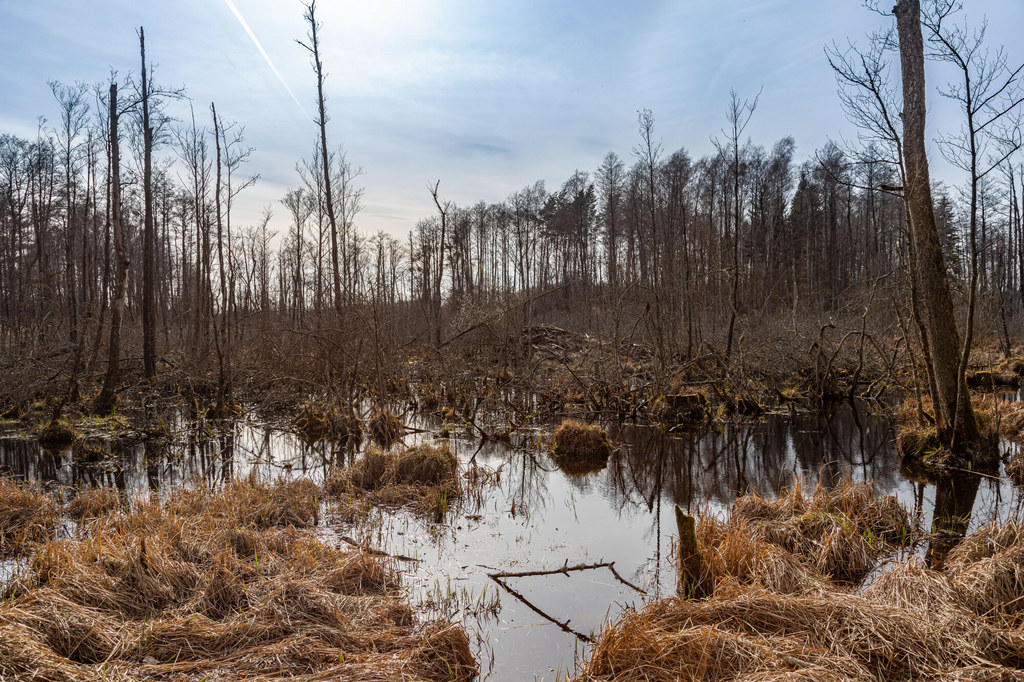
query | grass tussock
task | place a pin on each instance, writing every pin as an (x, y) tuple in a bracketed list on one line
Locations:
[(917, 438), (385, 427), (92, 503), (577, 441), (56, 434), (328, 423), (195, 588), (838, 533), (773, 615), (424, 477), (27, 516)]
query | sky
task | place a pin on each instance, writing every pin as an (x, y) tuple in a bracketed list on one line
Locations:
[(487, 96)]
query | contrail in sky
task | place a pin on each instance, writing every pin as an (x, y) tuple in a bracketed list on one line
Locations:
[(256, 42)]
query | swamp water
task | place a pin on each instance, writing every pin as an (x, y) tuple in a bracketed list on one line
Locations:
[(616, 524)]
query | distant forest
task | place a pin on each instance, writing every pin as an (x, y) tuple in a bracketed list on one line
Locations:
[(117, 216)]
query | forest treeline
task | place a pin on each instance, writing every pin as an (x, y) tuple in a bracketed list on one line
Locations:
[(682, 255)]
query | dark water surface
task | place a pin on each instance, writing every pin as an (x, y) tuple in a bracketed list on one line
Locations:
[(538, 518)]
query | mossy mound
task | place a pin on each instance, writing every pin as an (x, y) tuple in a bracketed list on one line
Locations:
[(985, 379), (57, 434), (90, 450)]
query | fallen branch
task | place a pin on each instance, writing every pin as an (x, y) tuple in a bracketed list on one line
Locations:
[(374, 551)]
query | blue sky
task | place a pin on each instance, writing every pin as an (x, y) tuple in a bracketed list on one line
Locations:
[(487, 96)]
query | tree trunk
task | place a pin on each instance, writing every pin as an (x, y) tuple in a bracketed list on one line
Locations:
[(148, 302), (937, 304), (104, 402)]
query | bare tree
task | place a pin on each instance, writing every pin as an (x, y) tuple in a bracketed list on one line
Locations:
[(738, 117), (989, 95), (105, 400), (313, 47), (955, 420)]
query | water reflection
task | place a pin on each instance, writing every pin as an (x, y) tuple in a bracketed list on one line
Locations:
[(538, 517), (954, 501)]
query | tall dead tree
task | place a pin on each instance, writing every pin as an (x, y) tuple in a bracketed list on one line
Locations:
[(221, 337), (738, 116), (148, 238), (443, 209), (955, 423), (313, 47), (105, 400)]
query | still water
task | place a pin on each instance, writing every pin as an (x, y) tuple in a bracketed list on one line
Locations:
[(615, 524)]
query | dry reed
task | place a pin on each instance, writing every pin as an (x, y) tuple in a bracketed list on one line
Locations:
[(580, 448), (385, 428), (27, 516), (776, 613), (217, 585), (424, 477)]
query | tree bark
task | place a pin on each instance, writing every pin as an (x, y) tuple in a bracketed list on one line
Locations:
[(105, 400), (936, 300), (148, 302)]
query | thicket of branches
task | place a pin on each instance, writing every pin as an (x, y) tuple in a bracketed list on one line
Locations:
[(682, 255)]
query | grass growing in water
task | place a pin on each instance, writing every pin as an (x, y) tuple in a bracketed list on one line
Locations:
[(217, 585), (777, 608), (27, 516), (580, 448), (424, 477)]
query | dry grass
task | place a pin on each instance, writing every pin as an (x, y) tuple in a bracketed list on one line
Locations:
[(92, 503), (328, 423), (577, 442), (207, 585), (424, 477), (748, 634), (837, 533), (27, 516), (919, 440), (773, 614), (385, 428)]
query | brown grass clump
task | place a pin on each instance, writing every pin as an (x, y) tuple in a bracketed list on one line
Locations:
[(752, 634), (425, 465), (424, 476), (192, 588), (91, 503), (27, 516), (328, 423), (578, 440), (919, 440), (839, 533), (988, 569), (385, 428), (772, 615), (255, 504), (732, 553), (1011, 422)]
